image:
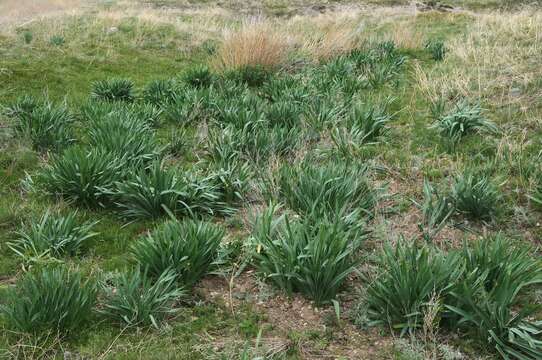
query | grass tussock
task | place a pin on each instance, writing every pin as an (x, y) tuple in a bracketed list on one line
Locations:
[(50, 300), (254, 45)]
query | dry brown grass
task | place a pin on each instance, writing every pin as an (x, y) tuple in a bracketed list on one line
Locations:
[(498, 61), (256, 43), (16, 12)]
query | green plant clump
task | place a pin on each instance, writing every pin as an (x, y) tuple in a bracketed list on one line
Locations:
[(188, 248), (50, 300), (409, 279), (475, 196), (134, 299), (302, 257), (52, 235), (82, 176), (113, 90)]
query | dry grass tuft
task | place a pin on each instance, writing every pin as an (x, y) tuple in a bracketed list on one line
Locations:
[(497, 61), (333, 42), (255, 44)]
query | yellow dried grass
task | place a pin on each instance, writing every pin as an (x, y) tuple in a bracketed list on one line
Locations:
[(255, 44)]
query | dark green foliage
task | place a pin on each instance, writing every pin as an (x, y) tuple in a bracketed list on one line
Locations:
[(284, 114), (301, 257), (180, 141), (485, 300), (367, 123), (146, 113), (475, 195), (123, 134), (244, 111), (82, 176), (285, 88), (133, 299), (378, 65), (52, 236), (189, 105), (252, 75), (327, 191), (28, 37), (188, 248), (437, 49), (409, 278), (463, 119), (494, 256), (490, 314), (152, 193), (113, 90), (160, 92), (231, 181), (47, 126), (53, 300), (322, 113), (198, 76)]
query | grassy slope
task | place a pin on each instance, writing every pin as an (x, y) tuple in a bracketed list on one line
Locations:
[(68, 70)]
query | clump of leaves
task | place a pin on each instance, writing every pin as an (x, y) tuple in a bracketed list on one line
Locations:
[(232, 180), (436, 209), (297, 256), (82, 176), (189, 105), (55, 300), (160, 92), (327, 191), (486, 299), (463, 119), (28, 37), (284, 114), (180, 141), (47, 126), (321, 113), (490, 314), (252, 75), (365, 125), (496, 255), (22, 106), (437, 49), (188, 248), (125, 135), (198, 76), (408, 277), (475, 195), (57, 40), (52, 236), (134, 299), (152, 193), (113, 90), (369, 122)]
